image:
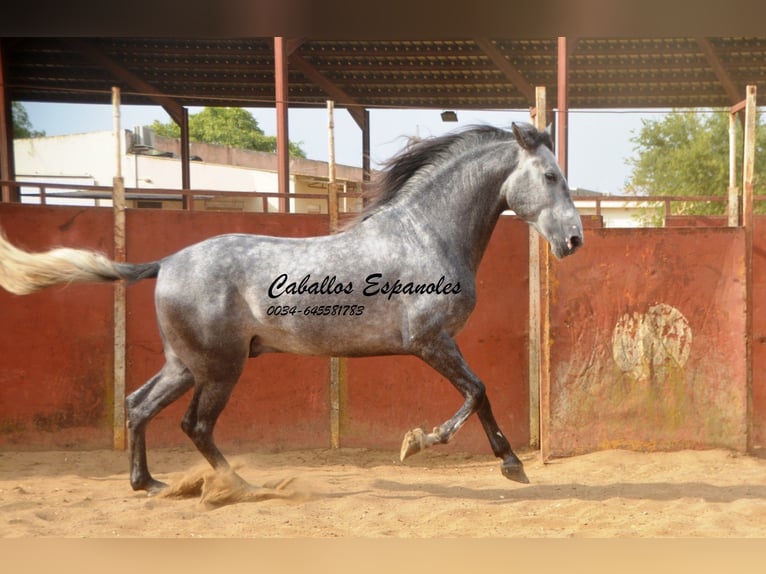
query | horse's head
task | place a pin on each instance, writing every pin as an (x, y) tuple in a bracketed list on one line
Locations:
[(538, 192)]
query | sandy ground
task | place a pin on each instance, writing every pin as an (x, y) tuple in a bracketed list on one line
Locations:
[(362, 493)]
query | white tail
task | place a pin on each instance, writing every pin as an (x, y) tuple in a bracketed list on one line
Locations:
[(22, 272)]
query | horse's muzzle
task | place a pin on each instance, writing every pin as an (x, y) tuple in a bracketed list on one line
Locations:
[(574, 243)]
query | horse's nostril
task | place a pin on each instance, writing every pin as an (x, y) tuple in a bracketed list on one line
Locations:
[(575, 242)]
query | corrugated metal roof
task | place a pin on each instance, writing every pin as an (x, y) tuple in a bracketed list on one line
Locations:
[(438, 74)]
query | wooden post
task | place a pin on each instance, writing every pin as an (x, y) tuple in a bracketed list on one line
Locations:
[(337, 364), (332, 190), (537, 279), (733, 206), (748, 165), (118, 202), (748, 172)]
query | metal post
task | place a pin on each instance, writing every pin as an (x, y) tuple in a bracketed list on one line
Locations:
[(283, 148), (366, 147), (118, 202), (7, 193), (562, 123), (185, 160)]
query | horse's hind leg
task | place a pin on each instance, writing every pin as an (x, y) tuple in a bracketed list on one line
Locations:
[(211, 394), (444, 356), (142, 405)]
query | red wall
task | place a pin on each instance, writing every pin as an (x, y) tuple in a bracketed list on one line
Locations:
[(282, 401), (758, 395), (387, 396), (648, 342), (56, 346)]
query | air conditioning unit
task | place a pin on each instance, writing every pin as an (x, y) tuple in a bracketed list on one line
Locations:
[(143, 137)]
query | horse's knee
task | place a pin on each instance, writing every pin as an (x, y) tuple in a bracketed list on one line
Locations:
[(477, 395), (188, 427), (196, 430)]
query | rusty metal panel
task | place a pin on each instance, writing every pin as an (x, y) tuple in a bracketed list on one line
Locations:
[(56, 346), (281, 401), (648, 342), (759, 335), (387, 396)]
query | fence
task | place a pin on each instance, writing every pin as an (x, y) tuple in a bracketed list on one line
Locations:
[(620, 292)]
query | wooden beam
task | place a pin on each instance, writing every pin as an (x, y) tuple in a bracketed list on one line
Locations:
[(728, 84), (509, 70), (172, 107), (330, 88), (292, 44)]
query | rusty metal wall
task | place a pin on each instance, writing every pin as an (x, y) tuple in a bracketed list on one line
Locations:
[(758, 404), (648, 342), (56, 389), (56, 349), (387, 396), (280, 401), (647, 345)]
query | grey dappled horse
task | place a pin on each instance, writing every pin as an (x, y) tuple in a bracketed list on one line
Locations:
[(399, 280)]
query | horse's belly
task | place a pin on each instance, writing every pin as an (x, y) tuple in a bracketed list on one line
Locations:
[(329, 339)]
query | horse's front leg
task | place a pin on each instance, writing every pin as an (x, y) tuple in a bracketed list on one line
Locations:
[(445, 357)]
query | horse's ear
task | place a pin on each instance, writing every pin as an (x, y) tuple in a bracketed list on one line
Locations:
[(526, 135), (530, 138)]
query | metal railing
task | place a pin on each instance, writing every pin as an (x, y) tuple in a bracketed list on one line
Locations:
[(188, 197)]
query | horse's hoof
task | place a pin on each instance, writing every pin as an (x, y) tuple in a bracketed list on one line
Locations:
[(514, 470), (153, 487), (414, 441)]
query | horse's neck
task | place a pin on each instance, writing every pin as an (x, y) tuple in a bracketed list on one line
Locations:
[(460, 210)]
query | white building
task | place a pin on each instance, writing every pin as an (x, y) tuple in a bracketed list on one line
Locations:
[(82, 168), (151, 170)]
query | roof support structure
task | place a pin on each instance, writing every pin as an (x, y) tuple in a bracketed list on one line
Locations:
[(508, 69), (173, 108), (336, 94), (7, 194), (360, 115), (734, 95), (283, 135), (728, 84), (562, 123)]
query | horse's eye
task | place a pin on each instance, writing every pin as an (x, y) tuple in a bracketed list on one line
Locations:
[(551, 177)]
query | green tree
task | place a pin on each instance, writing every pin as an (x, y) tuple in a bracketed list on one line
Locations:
[(687, 154), (234, 127), (22, 127)]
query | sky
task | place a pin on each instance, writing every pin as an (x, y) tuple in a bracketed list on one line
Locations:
[(599, 141)]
